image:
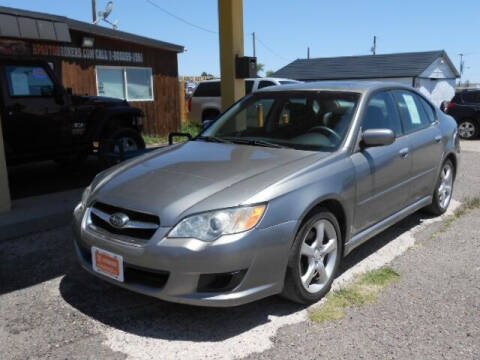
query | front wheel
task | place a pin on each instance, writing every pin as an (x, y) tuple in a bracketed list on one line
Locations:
[(468, 129), (122, 140), (314, 259)]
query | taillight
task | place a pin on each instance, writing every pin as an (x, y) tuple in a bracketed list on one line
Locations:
[(190, 104), (450, 105)]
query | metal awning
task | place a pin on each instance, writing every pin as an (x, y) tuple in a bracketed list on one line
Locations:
[(21, 27)]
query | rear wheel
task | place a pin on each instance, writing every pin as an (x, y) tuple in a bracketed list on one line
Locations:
[(314, 259), (443, 191), (468, 129)]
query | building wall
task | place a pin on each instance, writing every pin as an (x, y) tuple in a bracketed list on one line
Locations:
[(437, 90), (162, 114)]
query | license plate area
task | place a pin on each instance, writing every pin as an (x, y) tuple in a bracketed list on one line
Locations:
[(107, 263)]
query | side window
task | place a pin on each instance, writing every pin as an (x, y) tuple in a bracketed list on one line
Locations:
[(429, 111), (29, 81), (208, 89), (382, 114), (471, 97), (413, 117), (265, 83), (248, 86)]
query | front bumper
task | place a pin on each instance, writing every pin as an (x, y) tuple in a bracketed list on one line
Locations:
[(261, 256)]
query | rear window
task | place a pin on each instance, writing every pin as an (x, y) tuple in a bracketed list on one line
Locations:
[(208, 89)]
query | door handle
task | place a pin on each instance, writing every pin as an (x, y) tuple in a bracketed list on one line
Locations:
[(438, 138), (403, 153)]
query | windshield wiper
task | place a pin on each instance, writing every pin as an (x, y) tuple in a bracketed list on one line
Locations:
[(213, 139), (256, 142)]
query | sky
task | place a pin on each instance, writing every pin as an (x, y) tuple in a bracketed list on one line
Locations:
[(285, 29)]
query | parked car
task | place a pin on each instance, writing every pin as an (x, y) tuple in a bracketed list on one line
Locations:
[(206, 101), (465, 109), (189, 89), (41, 120), (271, 196)]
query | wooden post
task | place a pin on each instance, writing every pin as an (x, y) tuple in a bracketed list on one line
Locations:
[(5, 202), (181, 97), (230, 13)]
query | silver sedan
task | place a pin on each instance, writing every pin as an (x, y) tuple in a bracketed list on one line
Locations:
[(271, 196)]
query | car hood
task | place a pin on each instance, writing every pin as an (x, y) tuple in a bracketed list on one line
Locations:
[(96, 100), (175, 179)]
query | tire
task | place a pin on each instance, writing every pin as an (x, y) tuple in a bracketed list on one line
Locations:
[(210, 114), (299, 263), (468, 129), (440, 203), (131, 138)]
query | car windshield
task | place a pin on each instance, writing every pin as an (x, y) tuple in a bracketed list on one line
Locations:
[(305, 121)]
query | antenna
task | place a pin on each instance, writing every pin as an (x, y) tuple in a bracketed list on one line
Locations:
[(103, 15)]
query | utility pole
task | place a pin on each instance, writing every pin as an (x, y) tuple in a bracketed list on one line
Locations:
[(374, 47), (94, 11), (308, 52), (254, 45)]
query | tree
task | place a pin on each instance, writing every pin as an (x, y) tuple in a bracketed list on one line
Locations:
[(269, 73), (260, 67), (205, 74)]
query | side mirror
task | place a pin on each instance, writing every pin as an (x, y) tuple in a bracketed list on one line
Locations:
[(58, 94), (378, 137), (206, 124)]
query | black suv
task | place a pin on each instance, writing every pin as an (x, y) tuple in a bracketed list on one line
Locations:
[(465, 108), (41, 120)]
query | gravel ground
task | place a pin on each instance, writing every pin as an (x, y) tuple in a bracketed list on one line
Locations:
[(50, 308)]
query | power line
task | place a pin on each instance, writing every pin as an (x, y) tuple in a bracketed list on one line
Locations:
[(179, 18), (270, 49)]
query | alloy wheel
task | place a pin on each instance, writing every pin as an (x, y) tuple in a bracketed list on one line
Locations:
[(444, 190), (318, 255), (127, 143), (466, 129)]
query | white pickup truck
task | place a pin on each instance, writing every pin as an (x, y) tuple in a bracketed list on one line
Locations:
[(206, 101)]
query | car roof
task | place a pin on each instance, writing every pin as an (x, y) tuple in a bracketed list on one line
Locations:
[(340, 85)]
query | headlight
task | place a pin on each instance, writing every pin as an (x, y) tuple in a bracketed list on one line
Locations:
[(211, 225), (86, 195)]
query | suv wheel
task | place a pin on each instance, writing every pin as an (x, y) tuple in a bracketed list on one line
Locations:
[(210, 115), (314, 259), (126, 139), (468, 129)]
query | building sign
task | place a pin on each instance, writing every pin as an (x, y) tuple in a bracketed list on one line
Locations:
[(86, 53)]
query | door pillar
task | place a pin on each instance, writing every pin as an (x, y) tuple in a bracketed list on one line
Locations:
[(5, 202)]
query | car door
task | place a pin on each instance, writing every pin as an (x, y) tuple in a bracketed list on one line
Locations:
[(425, 142), (35, 119), (381, 172)]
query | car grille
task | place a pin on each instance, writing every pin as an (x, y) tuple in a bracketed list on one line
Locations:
[(140, 227), (133, 274)]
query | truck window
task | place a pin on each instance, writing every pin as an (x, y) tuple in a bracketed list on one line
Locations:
[(208, 89), (265, 83), (28, 81)]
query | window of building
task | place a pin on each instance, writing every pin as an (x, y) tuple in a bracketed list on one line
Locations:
[(29, 81), (130, 83)]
